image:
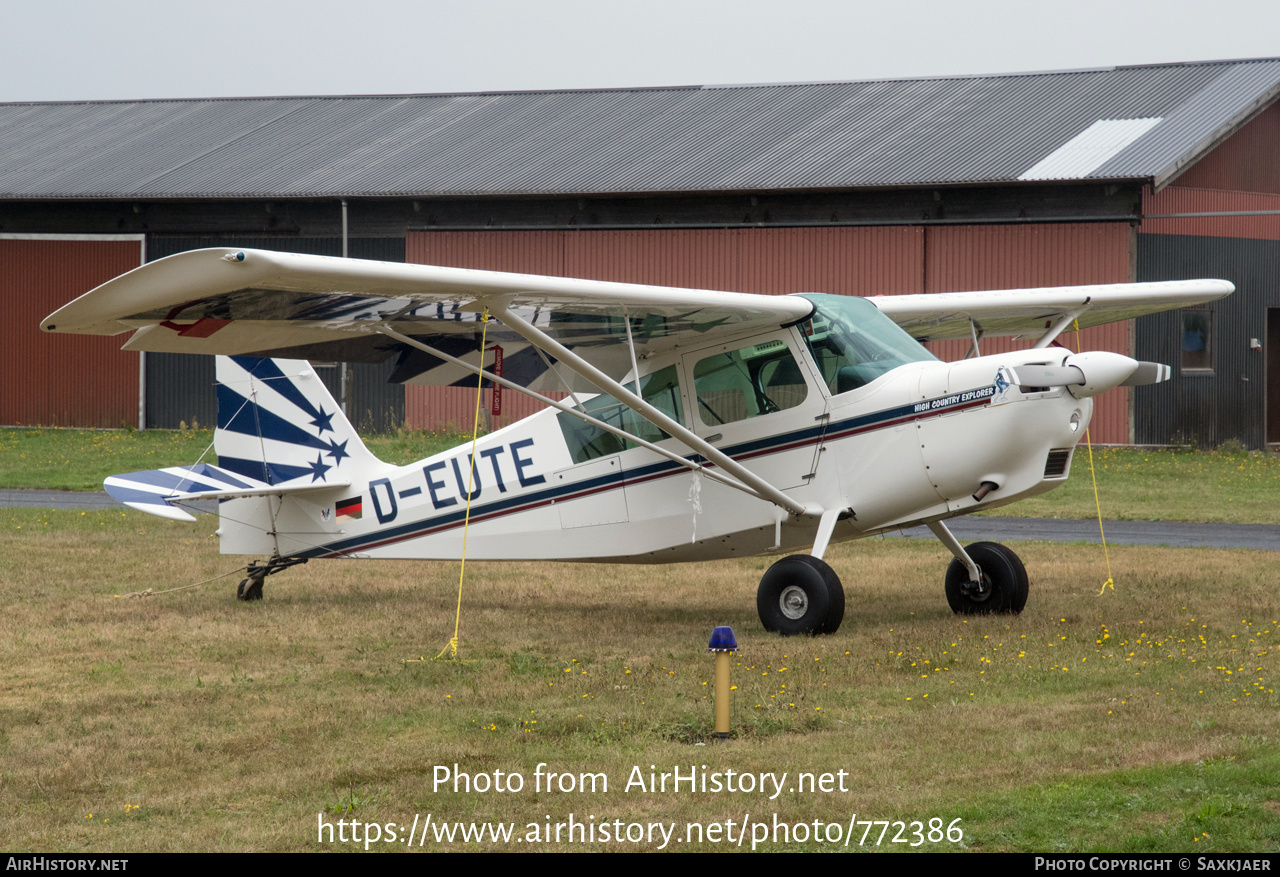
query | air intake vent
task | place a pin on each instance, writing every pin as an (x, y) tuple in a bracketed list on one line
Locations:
[(1059, 460)]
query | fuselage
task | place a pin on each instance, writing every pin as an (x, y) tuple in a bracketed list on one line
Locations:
[(839, 413)]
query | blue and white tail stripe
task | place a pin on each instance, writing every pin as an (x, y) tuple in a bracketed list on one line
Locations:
[(150, 491), (277, 422)]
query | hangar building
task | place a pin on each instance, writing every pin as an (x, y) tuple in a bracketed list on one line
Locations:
[(874, 187)]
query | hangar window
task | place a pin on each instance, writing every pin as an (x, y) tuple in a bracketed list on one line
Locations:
[(587, 441), (1197, 341)]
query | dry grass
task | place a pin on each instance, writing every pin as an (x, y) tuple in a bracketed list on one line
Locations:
[(1141, 719)]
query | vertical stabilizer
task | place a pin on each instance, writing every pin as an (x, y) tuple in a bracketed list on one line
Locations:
[(278, 422)]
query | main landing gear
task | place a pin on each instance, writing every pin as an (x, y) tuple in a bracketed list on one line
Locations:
[(984, 579), (1001, 589), (251, 587), (800, 594)]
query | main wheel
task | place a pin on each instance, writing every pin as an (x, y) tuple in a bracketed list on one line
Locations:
[(800, 594), (1004, 580), (835, 591)]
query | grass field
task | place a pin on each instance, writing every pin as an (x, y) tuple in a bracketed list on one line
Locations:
[(1164, 485), (1140, 720)]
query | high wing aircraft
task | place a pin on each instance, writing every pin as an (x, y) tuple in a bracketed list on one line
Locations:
[(696, 425)]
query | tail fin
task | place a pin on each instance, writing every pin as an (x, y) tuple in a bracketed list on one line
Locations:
[(277, 422)]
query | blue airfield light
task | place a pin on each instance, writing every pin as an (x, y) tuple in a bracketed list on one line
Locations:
[(722, 640)]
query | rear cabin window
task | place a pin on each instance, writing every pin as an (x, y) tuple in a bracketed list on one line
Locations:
[(586, 441), (747, 382)]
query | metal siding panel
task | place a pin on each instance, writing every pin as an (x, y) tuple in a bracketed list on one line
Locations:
[(695, 258), (963, 258), (180, 387), (845, 261), (527, 252), (63, 380), (180, 391), (1208, 410), (1179, 200)]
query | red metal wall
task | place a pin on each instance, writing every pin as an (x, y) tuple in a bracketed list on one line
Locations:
[(1246, 162), (1181, 200), (62, 380), (850, 261)]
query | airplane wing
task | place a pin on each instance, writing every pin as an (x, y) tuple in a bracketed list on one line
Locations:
[(287, 305), (1031, 313)]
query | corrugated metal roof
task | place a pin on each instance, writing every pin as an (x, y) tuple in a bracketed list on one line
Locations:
[(835, 135)]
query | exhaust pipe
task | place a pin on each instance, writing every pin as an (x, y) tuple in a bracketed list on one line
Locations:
[(983, 489)]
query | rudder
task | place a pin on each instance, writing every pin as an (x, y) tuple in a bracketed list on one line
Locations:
[(278, 422)]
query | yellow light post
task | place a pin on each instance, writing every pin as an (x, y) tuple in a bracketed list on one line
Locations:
[(722, 645)]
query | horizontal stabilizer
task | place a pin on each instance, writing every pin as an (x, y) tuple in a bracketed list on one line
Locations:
[(298, 485), (154, 490)]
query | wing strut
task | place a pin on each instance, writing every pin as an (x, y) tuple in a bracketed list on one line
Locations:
[(977, 336), (1063, 322), (576, 412), (650, 413)]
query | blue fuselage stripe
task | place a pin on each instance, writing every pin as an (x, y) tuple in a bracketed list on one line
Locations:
[(579, 489)]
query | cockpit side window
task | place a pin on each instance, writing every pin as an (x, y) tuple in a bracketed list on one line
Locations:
[(852, 343), (747, 382)]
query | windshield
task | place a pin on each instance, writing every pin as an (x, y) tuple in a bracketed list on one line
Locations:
[(853, 343)]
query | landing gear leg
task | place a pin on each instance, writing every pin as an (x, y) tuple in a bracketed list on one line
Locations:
[(251, 587)]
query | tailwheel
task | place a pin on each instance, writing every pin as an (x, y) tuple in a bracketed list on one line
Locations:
[(1003, 586), (251, 587), (800, 594)]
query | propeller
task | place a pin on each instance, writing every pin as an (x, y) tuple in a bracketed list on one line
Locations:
[(1088, 374)]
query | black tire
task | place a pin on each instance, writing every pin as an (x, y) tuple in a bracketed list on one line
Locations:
[(1003, 572), (835, 592), (250, 589), (793, 597)]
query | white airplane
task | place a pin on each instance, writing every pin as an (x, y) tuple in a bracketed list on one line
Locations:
[(721, 425)]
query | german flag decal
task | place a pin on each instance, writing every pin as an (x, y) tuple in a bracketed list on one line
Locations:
[(349, 508)]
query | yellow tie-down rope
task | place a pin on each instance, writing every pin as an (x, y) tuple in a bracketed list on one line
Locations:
[(1096, 502), (452, 646)]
